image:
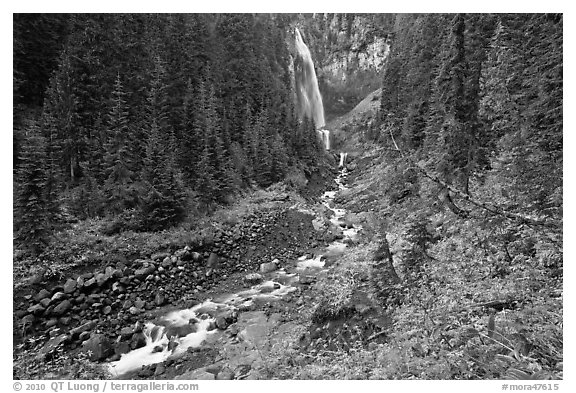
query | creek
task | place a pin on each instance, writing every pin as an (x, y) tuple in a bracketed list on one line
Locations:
[(173, 333)]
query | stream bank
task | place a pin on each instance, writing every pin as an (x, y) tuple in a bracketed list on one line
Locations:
[(231, 334)]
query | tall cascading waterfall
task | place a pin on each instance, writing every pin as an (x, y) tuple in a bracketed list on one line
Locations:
[(307, 91)]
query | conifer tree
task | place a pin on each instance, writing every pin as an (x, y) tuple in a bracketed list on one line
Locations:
[(31, 217), (118, 166)]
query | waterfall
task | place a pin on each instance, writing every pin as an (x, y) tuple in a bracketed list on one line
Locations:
[(307, 92), (343, 157), (325, 136)]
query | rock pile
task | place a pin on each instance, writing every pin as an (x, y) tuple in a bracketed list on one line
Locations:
[(90, 311)]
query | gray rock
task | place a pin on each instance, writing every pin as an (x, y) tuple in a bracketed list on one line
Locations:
[(144, 272), (138, 341), (70, 286), (213, 261), (118, 288), (225, 374), (51, 322), (126, 333), (45, 302), (139, 303), (58, 296), (84, 336), (134, 311), (98, 347), (51, 346), (101, 279), (180, 331), (160, 369), (27, 320), (121, 348), (61, 308), (36, 309), (268, 267), (172, 345), (253, 278), (160, 299), (221, 323), (85, 327), (159, 256), (89, 283), (42, 294), (147, 371)]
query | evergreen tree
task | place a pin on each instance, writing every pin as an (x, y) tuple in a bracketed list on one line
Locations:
[(31, 217), (119, 173), (163, 202)]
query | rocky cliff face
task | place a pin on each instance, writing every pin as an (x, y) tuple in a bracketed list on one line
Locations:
[(349, 51)]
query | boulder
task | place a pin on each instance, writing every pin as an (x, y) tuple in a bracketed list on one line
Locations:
[(213, 261), (45, 302), (268, 267), (183, 254), (51, 322), (90, 283), (134, 311), (51, 346), (126, 333), (58, 296), (225, 319), (167, 262), (61, 308), (121, 348), (84, 336), (160, 369), (253, 278), (101, 279), (144, 272), (225, 374), (43, 294), (221, 323), (139, 303), (36, 309), (159, 256), (160, 299), (98, 347), (138, 341), (85, 327), (70, 286), (180, 331), (118, 288), (172, 344)]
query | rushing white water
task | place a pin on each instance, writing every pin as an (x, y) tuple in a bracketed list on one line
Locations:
[(306, 263), (308, 94), (325, 136), (201, 316), (343, 157)]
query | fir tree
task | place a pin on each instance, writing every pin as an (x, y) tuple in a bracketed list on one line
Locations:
[(31, 217)]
